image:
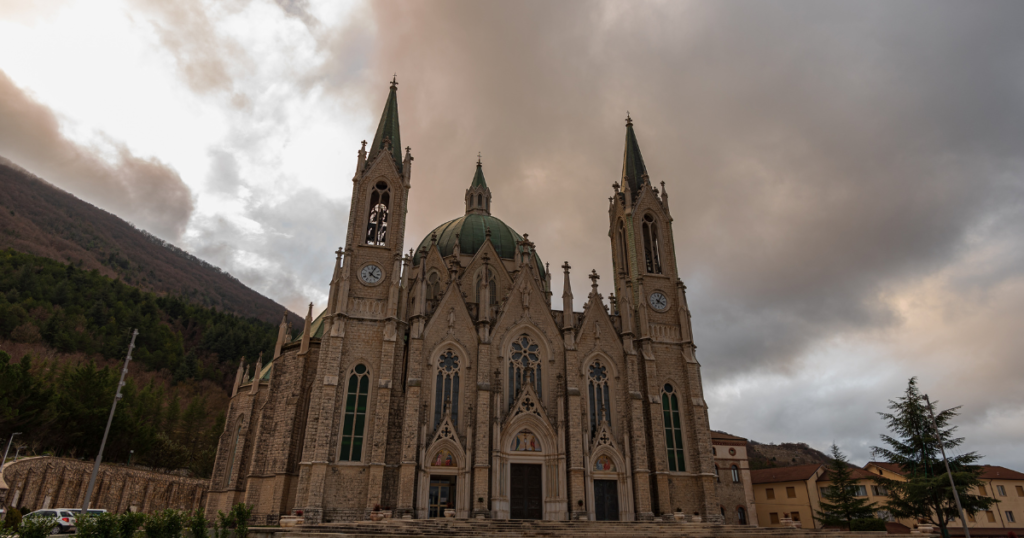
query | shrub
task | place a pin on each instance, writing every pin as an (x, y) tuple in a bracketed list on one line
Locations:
[(225, 522), (241, 514), (36, 527), (12, 520), (105, 525), (867, 524), (197, 524), (128, 523), (164, 524)]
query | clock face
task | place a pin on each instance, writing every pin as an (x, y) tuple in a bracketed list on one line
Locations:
[(658, 301), (371, 274)]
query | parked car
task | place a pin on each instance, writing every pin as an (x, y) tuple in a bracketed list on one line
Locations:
[(90, 512), (63, 517)]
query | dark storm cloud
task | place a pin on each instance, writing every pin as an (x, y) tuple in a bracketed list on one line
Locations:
[(816, 155), (146, 192)]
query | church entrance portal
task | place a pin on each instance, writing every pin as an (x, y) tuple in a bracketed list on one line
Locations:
[(606, 500), (442, 495), (525, 493)]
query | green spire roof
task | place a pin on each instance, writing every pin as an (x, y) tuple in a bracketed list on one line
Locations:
[(478, 177), (633, 168), (387, 129)]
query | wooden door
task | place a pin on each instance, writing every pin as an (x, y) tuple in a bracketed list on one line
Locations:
[(606, 500), (525, 492)]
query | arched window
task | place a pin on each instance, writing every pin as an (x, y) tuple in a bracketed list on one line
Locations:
[(523, 367), (652, 246), (234, 450), (742, 513), (623, 257), (377, 223), (735, 474), (718, 478), (355, 414), (492, 284), (446, 387), (479, 200), (600, 402), (433, 291), (673, 429)]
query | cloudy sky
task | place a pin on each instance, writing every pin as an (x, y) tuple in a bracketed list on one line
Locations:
[(846, 178)]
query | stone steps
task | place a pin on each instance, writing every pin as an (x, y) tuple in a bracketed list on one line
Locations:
[(475, 528)]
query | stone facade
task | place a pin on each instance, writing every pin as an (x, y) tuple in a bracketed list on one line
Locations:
[(735, 490), (445, 378), (45, 482)]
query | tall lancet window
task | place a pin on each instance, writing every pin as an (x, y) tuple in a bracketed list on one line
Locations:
[(433, 291), (673, 429), (492, 284), (377, 223), (600, 400), (357, 394), (623, 257), (446, 387), (652, 245), (234, 450), (523, 367)]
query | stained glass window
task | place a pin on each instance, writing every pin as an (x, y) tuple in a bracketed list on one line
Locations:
[(523, 367), (673, 429), (600, 400), (446, 387), (355, 414)]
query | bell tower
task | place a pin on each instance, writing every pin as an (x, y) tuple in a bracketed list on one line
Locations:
[(361, 349), (656, 329)]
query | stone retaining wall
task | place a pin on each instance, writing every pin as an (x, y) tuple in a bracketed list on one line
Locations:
[(47, 482)]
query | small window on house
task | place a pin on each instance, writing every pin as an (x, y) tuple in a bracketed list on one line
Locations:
[(790, 492), (825, 491), (1020, 491), (879, 491), (742, 515), (769, 494), (377, 221), (1009, 517), (1001, 490), (991, 516), (795, 516), (860, 491), (970, 517), (735, 474), (774, 517), (982, 490)]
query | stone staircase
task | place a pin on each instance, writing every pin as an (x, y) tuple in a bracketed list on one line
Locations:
[(486, 528)]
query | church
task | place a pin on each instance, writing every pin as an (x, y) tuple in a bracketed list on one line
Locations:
[(445, 378)]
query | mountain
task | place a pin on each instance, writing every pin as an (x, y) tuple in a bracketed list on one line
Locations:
[(40, 219), (762, 456)]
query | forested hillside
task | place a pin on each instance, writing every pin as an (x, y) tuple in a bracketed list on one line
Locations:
[(68, 329), (40, 219)]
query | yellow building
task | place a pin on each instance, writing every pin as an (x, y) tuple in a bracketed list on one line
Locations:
[(787, 493), (1006, 486)]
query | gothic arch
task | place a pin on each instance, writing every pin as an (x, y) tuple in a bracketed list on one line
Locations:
[(465, 359), (614, 388), (346, 391), (237, 444), (676, 447), (379, 197), (545, 352), (652, 241)]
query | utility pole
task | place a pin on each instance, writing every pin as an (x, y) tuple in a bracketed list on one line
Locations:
[(103, 443), (956, 496), (9, 441)]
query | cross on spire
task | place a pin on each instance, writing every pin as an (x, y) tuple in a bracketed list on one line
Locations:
[(394, 80), (593, 279)]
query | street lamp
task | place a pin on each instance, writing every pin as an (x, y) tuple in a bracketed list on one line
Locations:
[(9, 441)]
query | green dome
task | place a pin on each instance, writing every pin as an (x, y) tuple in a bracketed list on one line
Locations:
[(472, 230)]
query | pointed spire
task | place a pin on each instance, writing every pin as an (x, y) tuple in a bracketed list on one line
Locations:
[(282, 330), (388, 134), (306, 331), (478, 195), (634, 172), (567, 316)]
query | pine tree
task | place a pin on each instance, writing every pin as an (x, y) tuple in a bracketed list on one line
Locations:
[(915, 448), (840, 504)]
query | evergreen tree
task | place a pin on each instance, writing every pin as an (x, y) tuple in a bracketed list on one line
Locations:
[(915, 448), (840, 504)]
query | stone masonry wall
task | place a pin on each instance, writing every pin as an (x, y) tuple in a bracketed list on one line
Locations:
[(46, 482)]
